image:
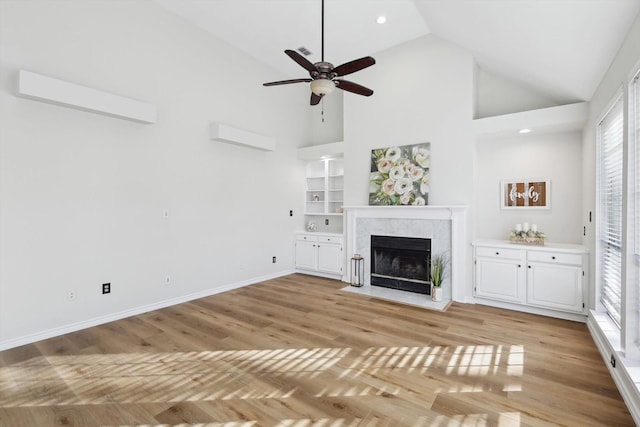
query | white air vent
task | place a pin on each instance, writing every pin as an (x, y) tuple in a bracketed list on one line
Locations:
[(303, 50)]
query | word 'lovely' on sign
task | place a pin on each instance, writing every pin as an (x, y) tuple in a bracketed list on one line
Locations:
[(533, 193)]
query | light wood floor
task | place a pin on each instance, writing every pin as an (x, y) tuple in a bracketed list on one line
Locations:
[(298, 352)]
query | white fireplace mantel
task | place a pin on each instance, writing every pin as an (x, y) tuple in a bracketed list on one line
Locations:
[(456, 214)]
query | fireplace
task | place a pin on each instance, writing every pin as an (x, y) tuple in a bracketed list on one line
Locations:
[(401, 263)]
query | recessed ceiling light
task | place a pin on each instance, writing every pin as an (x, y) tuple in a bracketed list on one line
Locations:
[(524, 130), (381, 19)]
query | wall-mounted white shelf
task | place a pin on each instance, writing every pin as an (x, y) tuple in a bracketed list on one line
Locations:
[(322, 151), (47, 89), (571, 117), (233, 135)]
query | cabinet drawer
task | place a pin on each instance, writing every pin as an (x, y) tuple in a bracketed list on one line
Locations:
[(499, 253), (306, 238), (555, 257), (325, 239)]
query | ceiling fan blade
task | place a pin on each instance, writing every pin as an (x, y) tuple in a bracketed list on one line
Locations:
[(301, 60), (353, 66), (286, 82), (353, 87), (315, 99)]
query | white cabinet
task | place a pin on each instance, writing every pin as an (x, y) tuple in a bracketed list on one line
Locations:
[(499, 274), (324, 187), (319, 253), (546, 277), (555, 281)]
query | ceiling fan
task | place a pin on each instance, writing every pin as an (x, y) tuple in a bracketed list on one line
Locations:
[(324, 76)]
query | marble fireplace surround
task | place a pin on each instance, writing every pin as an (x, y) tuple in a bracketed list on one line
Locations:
[(444, 225)]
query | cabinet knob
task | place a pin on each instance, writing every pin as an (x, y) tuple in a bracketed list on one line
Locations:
[(529, 266), (519, 266), (497, 253), (553, 257)]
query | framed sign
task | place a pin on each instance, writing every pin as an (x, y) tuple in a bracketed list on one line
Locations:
[(525, 194)]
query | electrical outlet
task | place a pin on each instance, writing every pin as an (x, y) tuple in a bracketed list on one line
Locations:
[(165, 213), (71, 295), (273, 260), (290, 213), (326, 221), (167, 280), (106, 288), (613, 361)]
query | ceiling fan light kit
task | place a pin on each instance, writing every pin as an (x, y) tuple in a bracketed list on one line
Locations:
[(322, 86), (323, 76)]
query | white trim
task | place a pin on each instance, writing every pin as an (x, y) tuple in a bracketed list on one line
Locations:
[(73, 327), (606, 336)]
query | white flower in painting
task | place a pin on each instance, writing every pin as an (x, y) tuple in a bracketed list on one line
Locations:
[(414, 172), (384, 165), (388, 187), (421, 156), (396, 173), (404, 162), (405, 198), (393, 153), (419, 201), (403, 185), (424, 184)]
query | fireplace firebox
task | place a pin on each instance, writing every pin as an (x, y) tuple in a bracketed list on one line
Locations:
[(401, 263)]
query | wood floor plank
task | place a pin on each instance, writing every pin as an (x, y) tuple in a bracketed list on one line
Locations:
[(298, 351)]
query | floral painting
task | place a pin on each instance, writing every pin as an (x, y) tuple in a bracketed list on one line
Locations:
[(400, 175)]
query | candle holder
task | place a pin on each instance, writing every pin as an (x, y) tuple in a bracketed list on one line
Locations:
[(527, 237)]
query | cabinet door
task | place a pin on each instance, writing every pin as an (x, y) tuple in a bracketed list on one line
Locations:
[(500, 279), (306, 255), (555, 286), (330, 257)]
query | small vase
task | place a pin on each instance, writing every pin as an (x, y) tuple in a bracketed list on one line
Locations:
[(436, 293)]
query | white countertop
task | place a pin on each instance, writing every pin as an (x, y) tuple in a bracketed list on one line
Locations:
[(562, 247)]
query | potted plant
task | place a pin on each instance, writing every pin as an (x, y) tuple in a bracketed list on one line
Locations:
[(438, 264)]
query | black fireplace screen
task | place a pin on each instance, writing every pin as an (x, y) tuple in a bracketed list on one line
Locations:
[(401, 263)]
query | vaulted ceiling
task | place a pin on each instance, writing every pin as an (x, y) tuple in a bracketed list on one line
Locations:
[(561, 48)]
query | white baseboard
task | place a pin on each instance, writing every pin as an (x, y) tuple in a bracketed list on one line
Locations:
[(582, 318), (621, 373), (77, 326)]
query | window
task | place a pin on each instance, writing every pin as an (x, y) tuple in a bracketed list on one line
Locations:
[(610, 138), (634, 135)]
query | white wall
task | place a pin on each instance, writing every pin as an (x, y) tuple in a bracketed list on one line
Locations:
[(554, 156), (326, 120), (497, 95), (423, 93), (82, 194)]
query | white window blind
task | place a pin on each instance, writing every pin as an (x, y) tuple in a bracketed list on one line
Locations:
[(610, 137)]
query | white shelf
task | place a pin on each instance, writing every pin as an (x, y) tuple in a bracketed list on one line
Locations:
[(327, 187), (42, 88)]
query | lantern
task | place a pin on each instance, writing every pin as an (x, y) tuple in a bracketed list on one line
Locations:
[(357, 270)]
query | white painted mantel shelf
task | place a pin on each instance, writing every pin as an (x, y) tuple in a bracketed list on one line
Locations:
[(445, 225)]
